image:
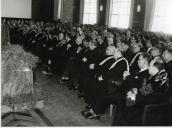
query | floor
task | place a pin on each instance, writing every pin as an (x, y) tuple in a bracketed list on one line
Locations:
[(63, 107)]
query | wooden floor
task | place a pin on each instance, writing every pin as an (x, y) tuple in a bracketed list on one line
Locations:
[(63, 108)]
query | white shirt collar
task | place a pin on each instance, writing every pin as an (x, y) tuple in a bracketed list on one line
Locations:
[(143, 69)]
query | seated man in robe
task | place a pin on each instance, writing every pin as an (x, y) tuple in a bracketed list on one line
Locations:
[(99, 82), (134, 81), (136, 50), (153, 90), (88, 70), (156, 52), (114, 78), (127, 51), (167, 55)]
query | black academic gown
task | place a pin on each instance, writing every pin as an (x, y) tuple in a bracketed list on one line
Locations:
[(69, 59), (115, 75), (58, 56), (114, 93), (43, 49), (93, 57), (134, 68), (128, 55), (100, 71), (132, 115), (136, 80), (168, 67)]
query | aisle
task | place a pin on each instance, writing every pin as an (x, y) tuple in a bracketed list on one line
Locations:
[(63, 108)]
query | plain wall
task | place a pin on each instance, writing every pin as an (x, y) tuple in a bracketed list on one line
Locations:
[(16, 8)]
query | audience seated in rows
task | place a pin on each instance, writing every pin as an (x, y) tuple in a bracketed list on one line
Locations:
[(128, 68)]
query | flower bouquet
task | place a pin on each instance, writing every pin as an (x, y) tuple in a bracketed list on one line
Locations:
[(17, 76)]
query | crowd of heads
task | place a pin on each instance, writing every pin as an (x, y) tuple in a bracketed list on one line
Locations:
[(88, 45), (115, 41)]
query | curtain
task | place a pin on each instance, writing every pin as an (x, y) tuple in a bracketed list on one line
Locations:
[(56, 9), (131, 14), (97, 11), (61, 9), (149, 14), (81, 11), (108, 10)]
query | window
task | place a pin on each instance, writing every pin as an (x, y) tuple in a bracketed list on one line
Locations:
[(120, 13), (90, 12), (162, 20)]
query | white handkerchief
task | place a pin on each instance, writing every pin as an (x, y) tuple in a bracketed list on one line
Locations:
[(84, 59), (100, 78)]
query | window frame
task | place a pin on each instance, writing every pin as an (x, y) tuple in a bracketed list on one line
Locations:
[(130, 15), (83, 13)]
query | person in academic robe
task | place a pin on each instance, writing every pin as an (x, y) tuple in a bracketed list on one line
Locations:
[(13, 32), (31, 41), (90, 60), (19, 34), (43, 49), (100, 70), (69, 54), (167, 55), (128, 35), (135, 80), (59, 53), (136, 49), (38, 37), (50, 56), (127, 51), (80, 32), (154, 90), (101, 44), (94, 35), (156, 52), (114, 77), (35, 41), (149, 44), (53, 43), (80, 50)]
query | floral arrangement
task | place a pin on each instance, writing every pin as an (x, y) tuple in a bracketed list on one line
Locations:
[(17, 75)]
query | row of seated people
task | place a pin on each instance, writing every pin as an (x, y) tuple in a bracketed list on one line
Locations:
[(106, 66)]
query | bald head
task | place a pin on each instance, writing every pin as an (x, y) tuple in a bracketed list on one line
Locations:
[(110, 50)]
